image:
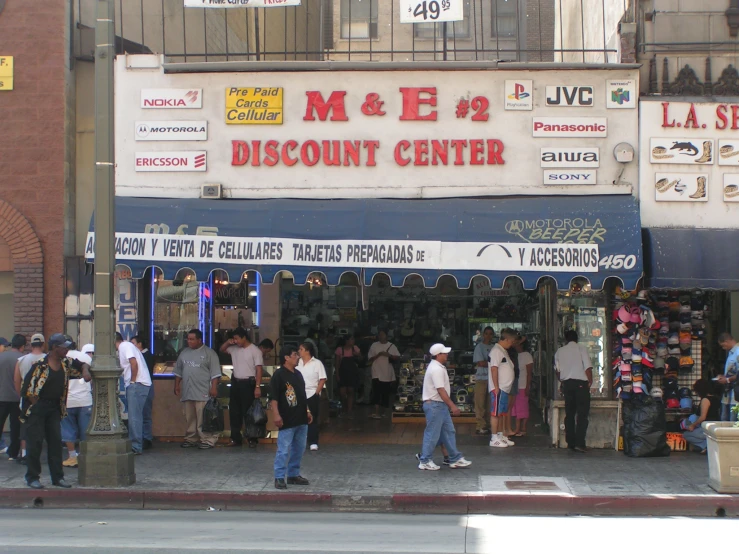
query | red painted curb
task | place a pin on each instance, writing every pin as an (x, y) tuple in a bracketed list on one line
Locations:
[(72, 498)]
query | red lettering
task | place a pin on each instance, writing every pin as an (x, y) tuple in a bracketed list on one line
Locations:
[(286, 148), (692, 120), (734, 116), (422, 152), (329, 157), (310, 153), (371, 146), (399, 159), (439, 152), (412, 102), (240, 153), (476, 149), (459, 146), (495, 152), (271, 154), (351, 151), (256, 146), (721, 115), (335, 104), (665, 109)]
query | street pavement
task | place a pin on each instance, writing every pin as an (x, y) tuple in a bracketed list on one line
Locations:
[(120, 531)]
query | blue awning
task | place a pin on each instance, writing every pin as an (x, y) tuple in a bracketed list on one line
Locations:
[(691, 258), (530, 238)]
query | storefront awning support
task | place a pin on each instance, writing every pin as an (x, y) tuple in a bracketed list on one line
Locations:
[(106, 459)]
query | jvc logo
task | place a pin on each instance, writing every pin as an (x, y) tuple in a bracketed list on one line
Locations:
[(569, 96)]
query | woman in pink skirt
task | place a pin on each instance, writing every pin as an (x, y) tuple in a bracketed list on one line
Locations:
[(520, 408)]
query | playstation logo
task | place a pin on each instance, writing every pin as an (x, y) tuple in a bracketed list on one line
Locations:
[(519, 92), (519, 95)]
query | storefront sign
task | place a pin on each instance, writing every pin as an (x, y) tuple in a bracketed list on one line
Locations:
[(570, 157), (728, 152), (171, 161), (431, 11), (254, 106), (681, 187), (391, 254), (681, 151), (171, 98), (171, 130), (621, 94), (731, 187), (576, 96), (240, 3), (569, 177), (126, 313), (570, 127), (6, 72), (519, 95)]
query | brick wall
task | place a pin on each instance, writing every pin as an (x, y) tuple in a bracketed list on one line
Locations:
[(32, 150), (540, 20)]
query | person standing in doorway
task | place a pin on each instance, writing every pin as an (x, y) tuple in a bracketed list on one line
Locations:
[(22, 367), (314, 375), (730, 376), (291, 416), (349, 376), (246, 380), (44, 404), (437, 406), (197, 373), (575, 371), (148, 430), (482, 395), (137, 382), (500, 380), (382, 354), (9, 398), (520, 409), (79, 406)]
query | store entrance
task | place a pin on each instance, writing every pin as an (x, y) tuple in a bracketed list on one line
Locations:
[(414, 317)]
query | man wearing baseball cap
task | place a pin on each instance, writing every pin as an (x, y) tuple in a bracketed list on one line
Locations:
[(44, 404), (436, 406), (22, 367)]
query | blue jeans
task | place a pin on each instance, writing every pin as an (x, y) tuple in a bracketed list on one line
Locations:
[(696, 437), (290, 446), (148, 432), (136, 394), (726, 413), (439, 430), (74, 426)]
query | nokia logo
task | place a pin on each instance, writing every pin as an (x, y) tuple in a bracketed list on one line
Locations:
[(172, 98), (570, 157), (560, 96)]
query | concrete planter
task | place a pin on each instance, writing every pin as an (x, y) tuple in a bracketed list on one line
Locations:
[(723, 456)]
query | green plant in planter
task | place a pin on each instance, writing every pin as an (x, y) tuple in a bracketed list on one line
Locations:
[(735, 409)]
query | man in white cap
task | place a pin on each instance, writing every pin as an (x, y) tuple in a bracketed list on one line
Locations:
[(436, 405)]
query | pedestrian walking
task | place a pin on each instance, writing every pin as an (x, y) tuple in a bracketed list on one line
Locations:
[(575, 371), (22, 367), (9, 398), (437, 406), (44, 396), (382, 354), (730, 377), (79, 406), (137, 381), (482, 394), (314, 375), (291, 416), (197, 373), (148, 430), (246, 382), (500, 381)]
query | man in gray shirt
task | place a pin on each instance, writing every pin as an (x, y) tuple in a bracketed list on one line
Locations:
[(9, 398), (197, 373)]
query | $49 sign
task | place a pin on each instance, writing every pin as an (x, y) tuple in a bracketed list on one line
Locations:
[(431, 11)]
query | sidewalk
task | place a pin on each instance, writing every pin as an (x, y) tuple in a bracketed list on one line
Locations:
[(523, 479)]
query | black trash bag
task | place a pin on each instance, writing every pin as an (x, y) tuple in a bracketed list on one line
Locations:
[(253, 431), (256, 414), (644, 429), (212, 417)]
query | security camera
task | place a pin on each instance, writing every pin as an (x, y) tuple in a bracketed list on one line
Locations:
[(623, 152)]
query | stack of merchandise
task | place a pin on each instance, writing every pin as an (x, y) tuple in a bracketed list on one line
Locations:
[(410, 387)]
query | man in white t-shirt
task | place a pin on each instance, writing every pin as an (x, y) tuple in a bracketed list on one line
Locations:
[(575, 371), (381, 355), (246, 379), (137, 381), (314, 375), (79, 406), (500, 380), (436, 406)]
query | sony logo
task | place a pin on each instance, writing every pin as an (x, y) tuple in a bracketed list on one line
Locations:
[(584, 177), (559, 96)]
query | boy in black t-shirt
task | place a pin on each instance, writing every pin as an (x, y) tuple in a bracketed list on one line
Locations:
[(291, 416)]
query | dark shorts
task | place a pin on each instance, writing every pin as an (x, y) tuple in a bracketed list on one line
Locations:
[(382, 392), (350, 377)]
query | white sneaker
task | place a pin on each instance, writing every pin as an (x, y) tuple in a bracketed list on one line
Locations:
[(314, 447), (460, 463), (506, 440), (429, 466), (496, 442)]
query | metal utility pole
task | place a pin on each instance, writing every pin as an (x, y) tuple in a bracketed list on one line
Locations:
[(106, 459)]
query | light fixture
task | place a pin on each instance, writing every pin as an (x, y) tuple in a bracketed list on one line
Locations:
[(252, 293)]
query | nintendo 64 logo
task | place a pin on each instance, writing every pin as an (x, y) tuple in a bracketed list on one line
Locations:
[(519, 95), (621, 94)]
